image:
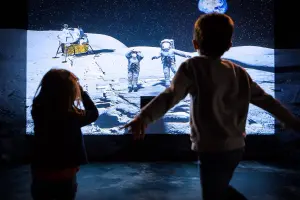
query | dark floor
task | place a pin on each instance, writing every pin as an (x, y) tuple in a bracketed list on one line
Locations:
[(159, 181)]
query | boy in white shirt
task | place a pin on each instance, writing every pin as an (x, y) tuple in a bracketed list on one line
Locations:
[(221, 92)]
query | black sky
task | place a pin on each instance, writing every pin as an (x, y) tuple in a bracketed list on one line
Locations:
[(145, 22)]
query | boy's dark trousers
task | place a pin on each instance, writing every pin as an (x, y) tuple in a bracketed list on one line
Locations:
[(216, 171), (56, 189)]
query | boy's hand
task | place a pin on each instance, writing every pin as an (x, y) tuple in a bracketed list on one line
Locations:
[(154, 57), (137, 128)]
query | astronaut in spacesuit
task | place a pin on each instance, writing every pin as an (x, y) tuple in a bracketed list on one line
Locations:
[(167, 55), (134, 58), (65, 37)]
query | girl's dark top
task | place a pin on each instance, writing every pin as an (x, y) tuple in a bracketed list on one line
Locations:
[(58, 141)]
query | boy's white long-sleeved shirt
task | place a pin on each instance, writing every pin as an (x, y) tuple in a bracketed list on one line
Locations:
[(221, 92)]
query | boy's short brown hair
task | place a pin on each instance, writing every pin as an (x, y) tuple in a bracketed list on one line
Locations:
[(213, 33)]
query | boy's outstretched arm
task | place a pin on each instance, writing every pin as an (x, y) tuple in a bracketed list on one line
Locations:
[(265, 101), (177, 91)]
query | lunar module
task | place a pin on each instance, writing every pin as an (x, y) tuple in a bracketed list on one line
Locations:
[(72, 42)]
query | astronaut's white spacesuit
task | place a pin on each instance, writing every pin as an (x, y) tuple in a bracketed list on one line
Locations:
[(65, 36), (134, 59), (167, 55)]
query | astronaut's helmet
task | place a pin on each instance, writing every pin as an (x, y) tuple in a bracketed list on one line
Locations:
[(134, 54), (166, 46), (66, 26)]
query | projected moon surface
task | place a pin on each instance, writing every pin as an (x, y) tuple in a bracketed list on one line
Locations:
[(104, 76), (115, 28)]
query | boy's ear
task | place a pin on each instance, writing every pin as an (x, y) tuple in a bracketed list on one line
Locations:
[(195, 44)]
